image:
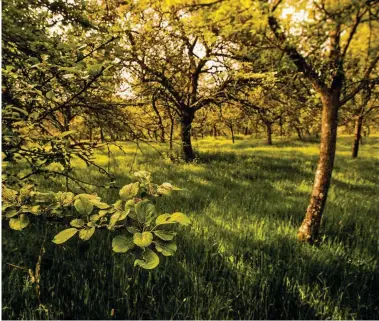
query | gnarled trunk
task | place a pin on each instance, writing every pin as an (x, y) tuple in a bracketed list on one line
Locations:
[(309, 229), (186, 123), (357, 135)]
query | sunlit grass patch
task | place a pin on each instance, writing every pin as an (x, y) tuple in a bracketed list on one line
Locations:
[(240, 259)]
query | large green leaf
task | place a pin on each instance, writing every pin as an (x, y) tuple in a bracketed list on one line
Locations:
[(129, 191), (150, 260), (99, 204), (167, 249), (173, 218), (180, 218), (143, 175), (83, 206), (122, 243), (19, 223), (165, 235), (164, 189), (86, 234), (78, 222), (64, 235), (143, 239), (117, 216), (11, 212), (145, 211), (163, 219)]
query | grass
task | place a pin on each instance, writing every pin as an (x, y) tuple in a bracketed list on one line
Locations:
[(240, 258)]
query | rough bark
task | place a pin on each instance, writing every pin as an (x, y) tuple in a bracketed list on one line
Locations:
[(357, 135), (186, 124), (309, 229)]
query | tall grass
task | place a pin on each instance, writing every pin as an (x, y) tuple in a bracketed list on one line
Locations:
[(240, 258)]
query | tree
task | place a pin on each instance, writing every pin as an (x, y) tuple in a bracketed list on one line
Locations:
[(327, 68), (162, 50)]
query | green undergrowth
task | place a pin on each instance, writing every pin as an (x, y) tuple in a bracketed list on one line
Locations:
[(240, 258)]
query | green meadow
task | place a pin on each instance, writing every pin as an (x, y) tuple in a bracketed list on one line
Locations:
[(239, 259)]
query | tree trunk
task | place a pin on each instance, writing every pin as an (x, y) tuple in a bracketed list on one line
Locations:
[(171, 130), (186, 123), (102, 135), (232, 131), (357, 136), (160, 121), (246, 131), (214, 131), (309, 229), (298, 131), (281, 125), (269, 133)]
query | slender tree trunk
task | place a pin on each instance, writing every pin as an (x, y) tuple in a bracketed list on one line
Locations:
[(186, 123), (232, 131), (357, 135), (246, 131), (298, 131), (269, 132), (102, 135), (214, 131), (281, 125), (309, 229), (160, 121), (90, 134), (171, 130)]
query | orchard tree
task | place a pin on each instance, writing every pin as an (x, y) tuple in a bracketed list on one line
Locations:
[(321, 50), (160, 48)]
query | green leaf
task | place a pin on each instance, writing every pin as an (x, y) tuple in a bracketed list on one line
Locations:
[(122, 243), (167, 249), (83, 206), (11, 213), (78, 222), (50, 94), (180, 218), (100, 205), (143, 239), (118, 205), (118, 216), (94, 217), (129, 205), (163, 219), (19, 223), (150, 260), (36, 210), (86, 234), (164, 189), (129, 191), (143, 175), (145, 211), (132, 229), (165, 235), (173, 218), (64, 235)]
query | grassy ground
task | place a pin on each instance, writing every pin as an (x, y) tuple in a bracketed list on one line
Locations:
[(240, 258)]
